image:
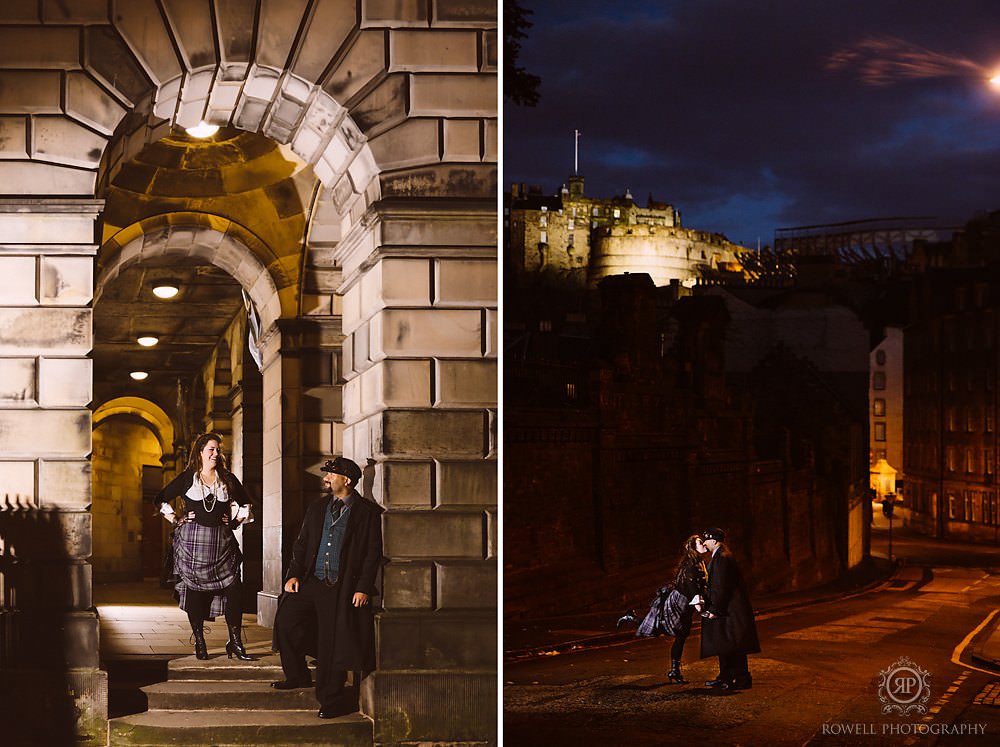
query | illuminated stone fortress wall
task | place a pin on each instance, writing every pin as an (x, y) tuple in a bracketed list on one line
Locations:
[(586, 239)]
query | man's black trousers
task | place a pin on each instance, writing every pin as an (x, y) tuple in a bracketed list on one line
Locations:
[(313, 601)]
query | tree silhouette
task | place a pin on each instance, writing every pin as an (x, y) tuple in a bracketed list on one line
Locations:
[(520, 86)]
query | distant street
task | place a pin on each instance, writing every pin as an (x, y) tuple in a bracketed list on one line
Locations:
[(817, 681)]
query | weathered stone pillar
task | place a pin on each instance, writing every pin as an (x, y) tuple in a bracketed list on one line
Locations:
[(281, 491), (419, 318), (301, 400), (49, 662)]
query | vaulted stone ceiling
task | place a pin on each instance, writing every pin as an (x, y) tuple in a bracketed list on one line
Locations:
[(235, 179)]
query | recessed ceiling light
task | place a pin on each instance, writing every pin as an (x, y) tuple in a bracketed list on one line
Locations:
[(202, 130), (147, 341), (139, 375), (165, 291)]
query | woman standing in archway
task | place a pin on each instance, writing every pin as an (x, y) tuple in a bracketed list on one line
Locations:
[(206, 555)]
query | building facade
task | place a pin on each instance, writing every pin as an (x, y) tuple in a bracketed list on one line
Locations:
[(886, 400)]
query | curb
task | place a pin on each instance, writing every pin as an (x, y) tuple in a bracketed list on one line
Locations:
[(977, 654), (582, 643)]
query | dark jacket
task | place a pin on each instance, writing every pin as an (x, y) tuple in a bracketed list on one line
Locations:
[(690, 581), (360, 560), (179, 486), (733, 630)]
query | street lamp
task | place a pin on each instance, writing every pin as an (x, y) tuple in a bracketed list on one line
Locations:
[(882, 479)]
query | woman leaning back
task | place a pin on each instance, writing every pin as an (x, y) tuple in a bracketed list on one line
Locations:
[(206, 555)]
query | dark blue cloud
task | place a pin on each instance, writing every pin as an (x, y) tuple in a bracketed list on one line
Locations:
[(730, 111)]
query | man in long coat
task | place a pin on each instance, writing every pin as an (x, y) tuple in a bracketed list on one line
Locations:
[(326, 608), (728, 629)]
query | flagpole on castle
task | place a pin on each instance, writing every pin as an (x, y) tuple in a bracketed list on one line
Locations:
[(576, 152)]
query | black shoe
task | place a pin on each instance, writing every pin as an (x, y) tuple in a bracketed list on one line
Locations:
[(291, 684), (718, 682), (628, 617), (674, 675), (337, 709), (740, 683)]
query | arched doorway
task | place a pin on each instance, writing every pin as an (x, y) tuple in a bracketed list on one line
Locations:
[(377, 335)]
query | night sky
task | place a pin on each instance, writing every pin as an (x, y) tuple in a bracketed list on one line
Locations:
[(750, 117)]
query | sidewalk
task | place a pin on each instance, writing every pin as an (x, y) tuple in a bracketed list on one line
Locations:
[(139, 620), (525, 639)]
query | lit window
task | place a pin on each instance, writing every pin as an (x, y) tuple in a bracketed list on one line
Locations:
[(878, 407), (618, 213), (970, 461), (880, 431), (543, 237)]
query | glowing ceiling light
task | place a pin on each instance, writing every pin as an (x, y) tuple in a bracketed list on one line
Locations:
[(202, 130), (165, 291), (139, 375), (995, 80), (147, 341)]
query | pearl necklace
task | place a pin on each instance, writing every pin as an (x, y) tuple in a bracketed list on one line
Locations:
[(205, 495)]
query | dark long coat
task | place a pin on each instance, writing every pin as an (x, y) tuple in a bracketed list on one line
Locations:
[(733, 630), (360, 560)]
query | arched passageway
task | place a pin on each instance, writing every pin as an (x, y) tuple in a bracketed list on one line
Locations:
[(347, 211)]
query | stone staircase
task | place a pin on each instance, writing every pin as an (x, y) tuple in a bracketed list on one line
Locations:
[(224, 702)]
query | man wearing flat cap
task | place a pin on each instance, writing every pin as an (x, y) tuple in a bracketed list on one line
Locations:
[(326, 608), (728, 629)]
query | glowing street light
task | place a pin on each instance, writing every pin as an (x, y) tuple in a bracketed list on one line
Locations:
[(139, 375), (202, 130), (165, 290), (147, 341), (995, 80)]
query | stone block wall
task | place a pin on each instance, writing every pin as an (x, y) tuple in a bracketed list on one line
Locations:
[(419, 398), (48, 630)]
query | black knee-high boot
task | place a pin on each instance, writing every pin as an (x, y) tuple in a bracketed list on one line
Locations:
[(674, 675), (200, 649), (235, 646)]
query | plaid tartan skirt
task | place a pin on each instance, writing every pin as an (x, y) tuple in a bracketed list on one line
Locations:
[(206, 559), (666, 613)]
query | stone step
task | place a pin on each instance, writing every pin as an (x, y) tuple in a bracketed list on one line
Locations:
[(236, 727), (207, 695), (222, 668)]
